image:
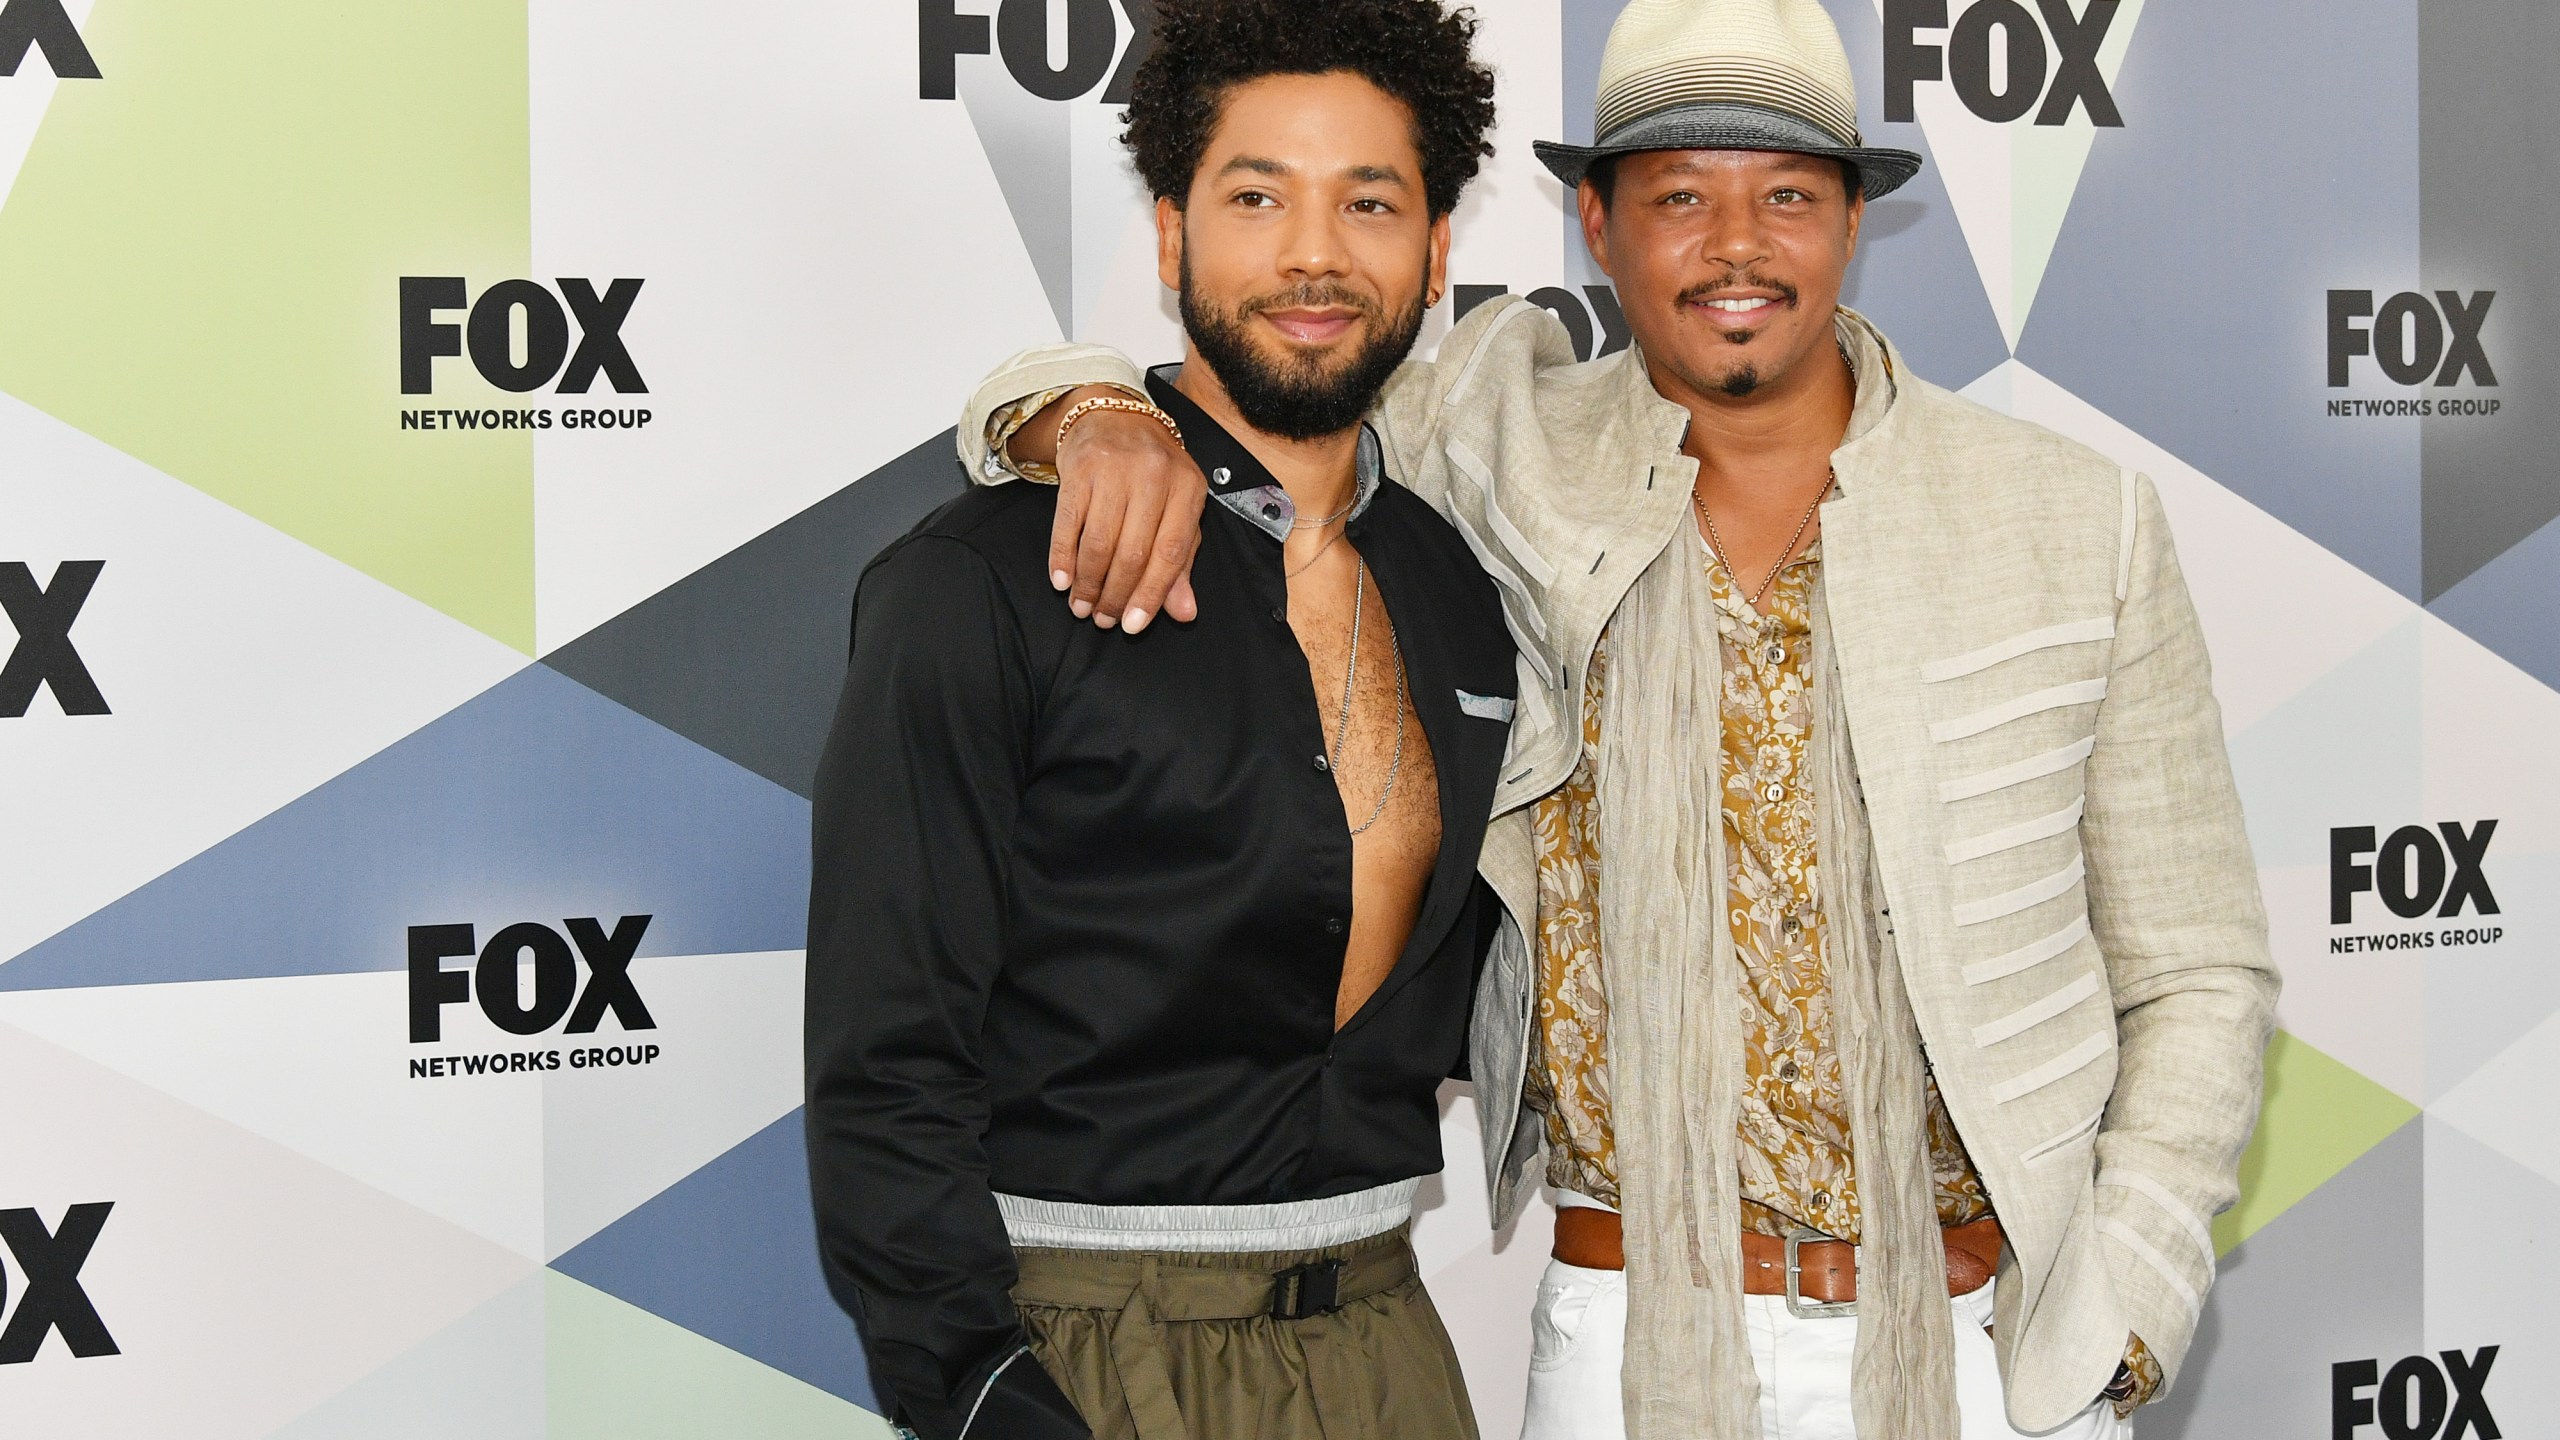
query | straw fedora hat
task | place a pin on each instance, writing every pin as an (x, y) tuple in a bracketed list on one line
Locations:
[(1728, 75)]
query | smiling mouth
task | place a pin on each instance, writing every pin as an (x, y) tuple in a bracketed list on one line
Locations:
[(1312, 327), (1743, 307)]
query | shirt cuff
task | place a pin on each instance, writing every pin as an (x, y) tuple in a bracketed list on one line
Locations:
[(2145, 1370), (1010, 418)]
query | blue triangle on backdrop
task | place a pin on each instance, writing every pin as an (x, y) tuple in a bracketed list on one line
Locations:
[(2238, 388), (538, 800), (1914, 275), (730, 1252)]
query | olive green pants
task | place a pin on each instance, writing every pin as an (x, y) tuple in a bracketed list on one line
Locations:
[(1166, 1346)]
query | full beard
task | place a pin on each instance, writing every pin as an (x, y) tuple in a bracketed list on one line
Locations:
[(1300, 397)]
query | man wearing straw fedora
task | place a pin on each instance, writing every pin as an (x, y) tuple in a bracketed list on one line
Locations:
[(1884, 982)]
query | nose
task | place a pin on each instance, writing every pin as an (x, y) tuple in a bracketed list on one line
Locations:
[(1313, 244), (1737, 236)]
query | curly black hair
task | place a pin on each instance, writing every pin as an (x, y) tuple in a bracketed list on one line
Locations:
[(1411, 49)]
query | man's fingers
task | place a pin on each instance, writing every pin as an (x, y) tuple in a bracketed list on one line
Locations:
[(1129, 558), (1179, 602), (1094, 547), (1139, 483), (1167, 561), (1177, 539), (1073, 496)]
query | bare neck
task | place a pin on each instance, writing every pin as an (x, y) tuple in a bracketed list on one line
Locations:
[(1321, 475)]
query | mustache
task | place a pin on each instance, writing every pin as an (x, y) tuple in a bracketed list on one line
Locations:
[(1713, 289), (1312, 296)]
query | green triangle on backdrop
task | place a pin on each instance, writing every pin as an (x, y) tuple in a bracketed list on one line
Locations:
[(621, 1373), (203, 254), (2319, 1117)]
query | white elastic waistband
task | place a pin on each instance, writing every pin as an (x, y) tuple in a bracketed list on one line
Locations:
[(1208, 1229)]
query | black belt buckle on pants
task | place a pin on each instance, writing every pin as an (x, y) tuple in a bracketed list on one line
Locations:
[(1306, 1291)]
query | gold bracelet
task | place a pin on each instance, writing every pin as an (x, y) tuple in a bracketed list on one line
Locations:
[(1134, 406)]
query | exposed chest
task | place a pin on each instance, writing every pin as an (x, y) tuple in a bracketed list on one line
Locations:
[(1362, 679)]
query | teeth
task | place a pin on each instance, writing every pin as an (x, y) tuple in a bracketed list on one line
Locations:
[(1737, 306)]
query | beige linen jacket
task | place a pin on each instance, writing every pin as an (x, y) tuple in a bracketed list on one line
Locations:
[(2066, 884)]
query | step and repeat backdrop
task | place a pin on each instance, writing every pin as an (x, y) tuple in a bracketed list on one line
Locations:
[(438, 442)]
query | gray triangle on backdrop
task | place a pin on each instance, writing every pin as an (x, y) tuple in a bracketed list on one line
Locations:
[(1027, 143), (2507, 1303), (745, 656), (2490, 223), (2337, 1279)]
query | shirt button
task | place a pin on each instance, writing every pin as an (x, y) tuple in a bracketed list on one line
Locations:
[(1270, 512), (1777, 654), (1280, 613), (1219, 475), (1788, 1072), (1323, 764), (1821, 1199), (1773, 792), (1333, 926), (1794, 926)]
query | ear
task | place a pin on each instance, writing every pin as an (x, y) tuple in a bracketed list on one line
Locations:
[(1595, 224), (1857, 217), (1435, 270), (1168, 244)]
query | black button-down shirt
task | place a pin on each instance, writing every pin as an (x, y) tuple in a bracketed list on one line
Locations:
[(1080, 901)]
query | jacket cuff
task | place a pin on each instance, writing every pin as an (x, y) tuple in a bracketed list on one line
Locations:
[(2161, 1264), (1011, 1398), (1047, 367)]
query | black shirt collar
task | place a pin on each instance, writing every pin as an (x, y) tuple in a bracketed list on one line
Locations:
[(1238, 480)]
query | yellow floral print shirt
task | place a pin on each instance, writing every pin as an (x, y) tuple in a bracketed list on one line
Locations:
[(1797, 1165)]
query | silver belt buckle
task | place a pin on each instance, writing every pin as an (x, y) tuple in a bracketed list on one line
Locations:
[(1797, 1305)]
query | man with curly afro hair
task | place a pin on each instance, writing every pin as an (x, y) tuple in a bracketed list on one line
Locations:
[(1137, 959)]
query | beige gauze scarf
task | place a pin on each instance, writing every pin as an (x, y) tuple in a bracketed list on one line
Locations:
[(1675, 1045)]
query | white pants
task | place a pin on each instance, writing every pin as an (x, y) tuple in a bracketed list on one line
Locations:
[(1579, 1334)]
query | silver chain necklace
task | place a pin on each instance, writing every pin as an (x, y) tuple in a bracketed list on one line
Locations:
[(1312, 559), (1342, 717), (1354, 504)]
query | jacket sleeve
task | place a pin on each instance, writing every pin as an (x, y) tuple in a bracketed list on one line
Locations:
[(1041, 368), (1489, 359), (1502, 341), (916, 796), (2175, 907)]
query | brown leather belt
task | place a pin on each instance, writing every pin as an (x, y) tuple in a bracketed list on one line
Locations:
[(1827, 1270)]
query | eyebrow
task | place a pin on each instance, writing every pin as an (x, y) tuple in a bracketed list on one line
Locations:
[(1265, 165)]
